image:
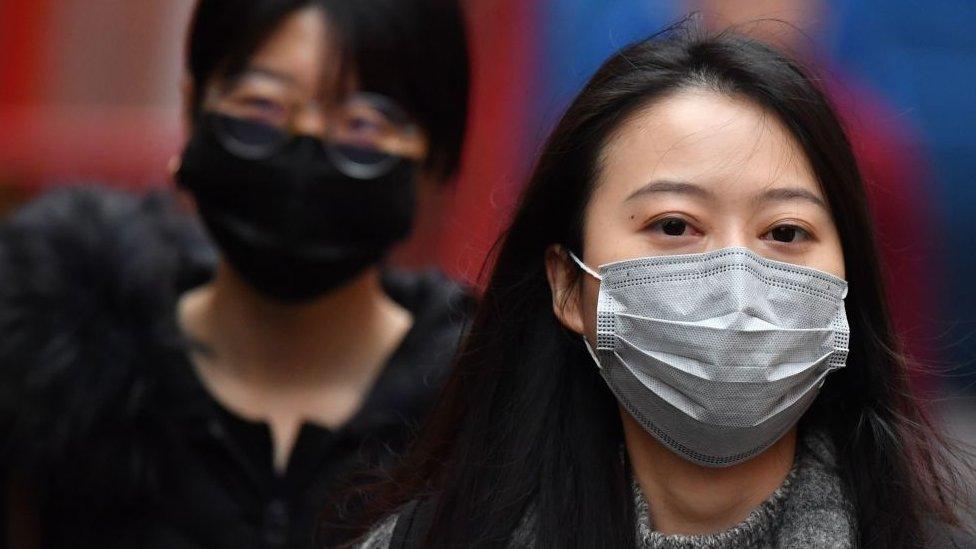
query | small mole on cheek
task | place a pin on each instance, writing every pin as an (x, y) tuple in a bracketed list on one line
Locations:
[(633, 216)]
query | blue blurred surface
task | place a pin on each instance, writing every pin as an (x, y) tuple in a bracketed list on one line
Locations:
[(922, 57)]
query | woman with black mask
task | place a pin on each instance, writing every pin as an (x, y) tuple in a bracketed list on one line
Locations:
[(161, 394)]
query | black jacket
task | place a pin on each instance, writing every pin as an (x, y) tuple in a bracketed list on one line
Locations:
[(107, 425)]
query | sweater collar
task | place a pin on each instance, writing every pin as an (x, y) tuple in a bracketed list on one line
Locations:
[(808, 510)]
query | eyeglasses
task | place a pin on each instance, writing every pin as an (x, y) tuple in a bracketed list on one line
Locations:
[(365, 135)]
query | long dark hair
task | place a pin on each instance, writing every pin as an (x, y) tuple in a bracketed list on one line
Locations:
[(527, 426)]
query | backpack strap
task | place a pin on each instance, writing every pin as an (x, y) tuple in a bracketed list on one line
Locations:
[(412, 524)]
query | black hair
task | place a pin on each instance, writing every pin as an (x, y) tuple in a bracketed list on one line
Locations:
[(413, 51), (527, 425)]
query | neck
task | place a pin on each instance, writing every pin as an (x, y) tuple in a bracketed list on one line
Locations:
[(267, 340), (689, 499)]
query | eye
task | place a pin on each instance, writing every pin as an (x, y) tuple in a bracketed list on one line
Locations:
[(256, 108), (361, 127), (787, 234), (263, 104), (672, 226), (265, 109)]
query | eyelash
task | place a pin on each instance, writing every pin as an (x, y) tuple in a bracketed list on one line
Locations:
[(265, 105), (658, 225), (801, 234)]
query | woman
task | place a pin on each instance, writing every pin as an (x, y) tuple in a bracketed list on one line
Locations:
[(690, 266), (154, 399)]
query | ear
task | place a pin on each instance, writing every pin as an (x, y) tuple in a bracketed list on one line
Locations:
[(564, 284), (172, 167), (184, 198)]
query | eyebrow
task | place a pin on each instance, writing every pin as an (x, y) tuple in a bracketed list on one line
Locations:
[(786, 194), (779, 194), (669, 186)]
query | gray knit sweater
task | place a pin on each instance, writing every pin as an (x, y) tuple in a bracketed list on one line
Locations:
[(808, 510)]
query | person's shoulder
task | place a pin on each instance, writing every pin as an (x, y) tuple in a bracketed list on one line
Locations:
[(430, 295), (101, 232), (441, 309), (380, 536), (88, 282), (80, 265), (415, 373)]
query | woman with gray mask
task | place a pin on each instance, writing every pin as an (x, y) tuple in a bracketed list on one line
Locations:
[(684, 341), (160, 392)]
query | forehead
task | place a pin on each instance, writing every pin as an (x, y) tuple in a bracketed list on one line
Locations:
[(725, 143), (300, 54)]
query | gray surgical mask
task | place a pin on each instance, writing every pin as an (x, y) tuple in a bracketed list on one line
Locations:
[(719, 354)]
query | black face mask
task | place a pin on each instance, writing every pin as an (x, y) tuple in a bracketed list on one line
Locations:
[(292, 225)]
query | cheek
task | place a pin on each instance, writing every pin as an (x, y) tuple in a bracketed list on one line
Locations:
[(609, 235), (825, 256), (837, 267), (830, 257)]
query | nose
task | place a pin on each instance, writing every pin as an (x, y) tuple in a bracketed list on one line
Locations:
[(732, 234), (310, 120)]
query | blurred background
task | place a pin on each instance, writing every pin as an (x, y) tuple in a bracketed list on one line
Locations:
[(90, 92)]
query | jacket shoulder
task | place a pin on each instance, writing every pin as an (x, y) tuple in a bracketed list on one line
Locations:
[(88, 283), (430, 295), (441, 309)]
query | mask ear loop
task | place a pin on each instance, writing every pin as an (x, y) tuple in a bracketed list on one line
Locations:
[(583, 266), (594, 274), (589, 349)]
